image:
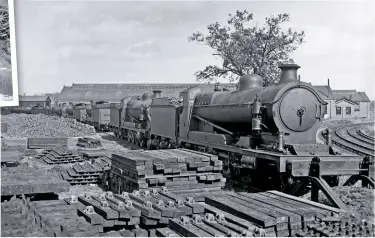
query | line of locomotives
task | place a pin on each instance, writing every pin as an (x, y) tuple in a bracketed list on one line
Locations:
[(266, 135)]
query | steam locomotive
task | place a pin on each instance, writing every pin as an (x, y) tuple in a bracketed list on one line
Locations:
[(266, 134)]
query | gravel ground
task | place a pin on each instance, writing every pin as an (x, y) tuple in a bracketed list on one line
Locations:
[(360, 201), (335, 123), (25, 125)]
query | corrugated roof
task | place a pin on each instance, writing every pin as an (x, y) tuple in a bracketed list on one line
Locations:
[(32, 98), (352, 95), (324, 91)]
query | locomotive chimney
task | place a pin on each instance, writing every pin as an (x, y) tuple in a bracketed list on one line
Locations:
[(157, 93), (288, 73)]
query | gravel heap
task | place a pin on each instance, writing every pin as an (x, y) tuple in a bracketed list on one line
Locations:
[(360, 201), (26, 125)]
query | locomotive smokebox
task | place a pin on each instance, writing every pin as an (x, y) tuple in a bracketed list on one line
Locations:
[(157, 93), (288, 73)]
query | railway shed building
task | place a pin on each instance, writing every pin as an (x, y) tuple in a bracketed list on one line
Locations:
[(43, 101), (351, 104), (344, 104)]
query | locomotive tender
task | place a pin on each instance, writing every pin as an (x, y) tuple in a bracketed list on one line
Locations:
[(267, 134)]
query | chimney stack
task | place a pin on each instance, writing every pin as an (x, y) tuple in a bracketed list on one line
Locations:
[(328, 83), (288, 73)]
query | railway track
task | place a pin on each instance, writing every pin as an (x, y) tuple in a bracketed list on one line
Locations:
[(356, 133), (360, 132), (353, 139)]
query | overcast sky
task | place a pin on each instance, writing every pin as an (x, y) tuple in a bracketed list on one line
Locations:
[(65, 42)]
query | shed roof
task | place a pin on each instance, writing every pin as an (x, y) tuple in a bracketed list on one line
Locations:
[(33, 98), (324, 91), (352, 95)]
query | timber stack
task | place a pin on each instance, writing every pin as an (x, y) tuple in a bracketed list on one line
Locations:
[(46, 143), (159, 212), (59, 155), (86, 142), (96, 156), (86, 173), (177, 169), (16, 221), (17, 181)]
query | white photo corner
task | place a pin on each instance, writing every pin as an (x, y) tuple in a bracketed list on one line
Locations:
[(8, 60)]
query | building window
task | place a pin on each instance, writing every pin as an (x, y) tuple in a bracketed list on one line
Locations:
[(338, 110), (356, 108), (348, 110), (325, 109)]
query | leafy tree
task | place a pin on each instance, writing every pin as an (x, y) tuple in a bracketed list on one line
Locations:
[(248, 49), (5, 59)]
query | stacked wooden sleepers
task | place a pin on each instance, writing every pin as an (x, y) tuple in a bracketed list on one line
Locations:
[(159, 212), (86, 142), (17, 181), (45, 143), (57, 218), (92, 155), (148, 208), (16, 221), (272, 213), (59, 155), (86, 173), (177, 169)]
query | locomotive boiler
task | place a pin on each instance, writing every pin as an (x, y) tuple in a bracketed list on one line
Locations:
[(290, 107), (56, 111), (70, 110)]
